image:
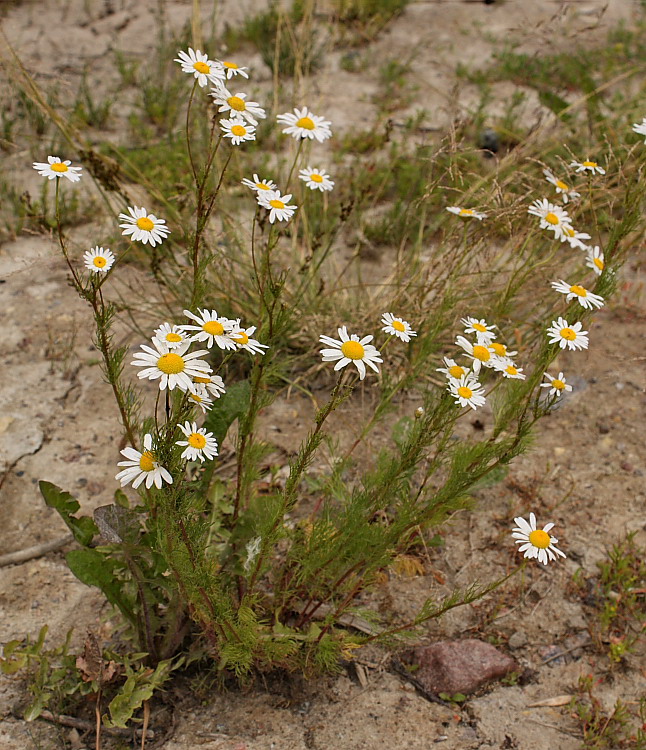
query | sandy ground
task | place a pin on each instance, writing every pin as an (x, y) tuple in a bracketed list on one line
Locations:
[(586, 471)]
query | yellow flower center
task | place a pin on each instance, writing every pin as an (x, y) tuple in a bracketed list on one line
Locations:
[(231, 65), (241, 338), (500, 349), (202, 67), (352, 350), (262, 186), (147, 461), (590, 164), (540, 539), (306, 122), (551, 218), (398, 326), (466, 212), (239, 130), (481, 353), (213, 328), (579, 290), (235, 102), (558, 384), (173, 337), (480, 327), (99, 261), (598, 263), (198, 379), (195, 397), (59, 167), (275, 203), (568, 333), (561, 185), (145, 223), (196, 440), (171, 363), (316, 178), (465, 392), (569, 231), (456, 371), (511, 370)]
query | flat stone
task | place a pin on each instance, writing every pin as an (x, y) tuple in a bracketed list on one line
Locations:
[(18, 437), (460, 666), (517, 640)]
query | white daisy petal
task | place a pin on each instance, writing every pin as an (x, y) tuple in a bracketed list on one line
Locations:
[(199, 443), (395, 327), (351, 349), (304, 124), (316, 179), (142, 466), (144, 227), (54, 168), (535, 543), (566, 335), (98, 260)]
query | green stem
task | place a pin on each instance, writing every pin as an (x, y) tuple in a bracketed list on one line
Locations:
[(94, 296), (291, 171)]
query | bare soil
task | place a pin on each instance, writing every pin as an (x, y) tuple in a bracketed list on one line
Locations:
[(585, 471)]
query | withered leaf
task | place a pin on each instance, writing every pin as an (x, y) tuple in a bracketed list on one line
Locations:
[(92, 665), (117, 524)]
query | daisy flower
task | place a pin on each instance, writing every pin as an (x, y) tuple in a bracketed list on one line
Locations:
[(257, 184), (640, 127), (238, 130), (568, 193), (506, 366), (467, 391), (199, 443), (595, 260), (198, 64), (574, 238), (453, 369), (552, 217), (304, 124), (397, 327), (172, 336), (566, 335), (481, 354), (484, 333), (556, 385), (316, 179), (351, 349), (243, 340), (588, 166), (174, 368), (535, 543), (277, 205), (467, 212), (202, 399), (142, 466), (585, 298), (231, 69), (210, 328), (501, 349), (237, 104), (144, 227), (209, 384), (57, 168), (98, 260)]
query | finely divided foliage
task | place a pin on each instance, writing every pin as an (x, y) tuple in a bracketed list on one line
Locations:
[(211, 549)]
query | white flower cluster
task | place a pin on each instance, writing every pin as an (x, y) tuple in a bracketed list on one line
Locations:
[(556, 219), (170, 362), (350, 349)]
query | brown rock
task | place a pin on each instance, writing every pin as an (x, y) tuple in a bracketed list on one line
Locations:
[(460, 666)]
